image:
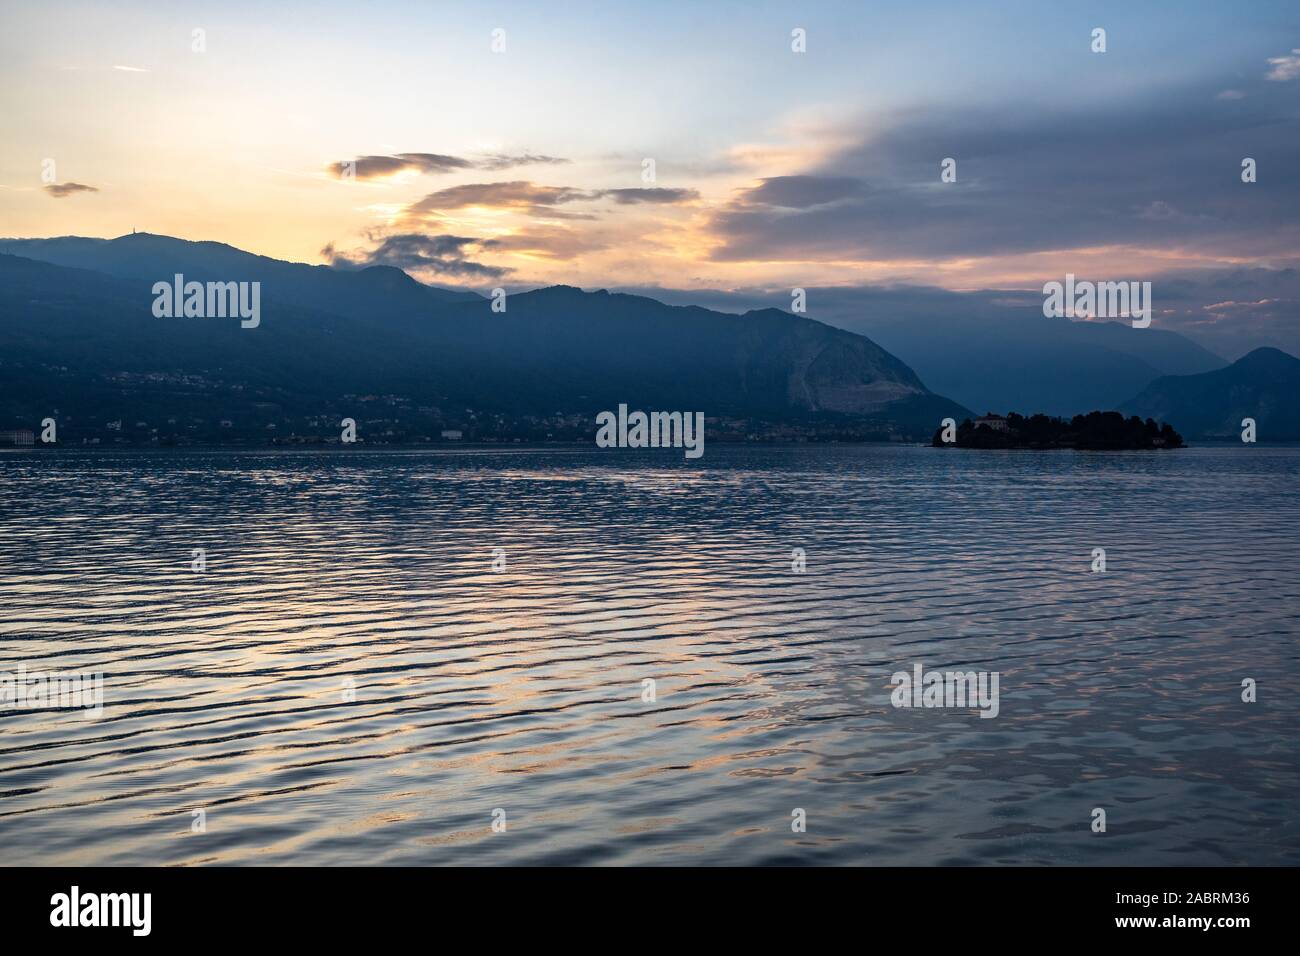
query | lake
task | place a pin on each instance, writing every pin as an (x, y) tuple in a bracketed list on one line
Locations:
[(386, 652)]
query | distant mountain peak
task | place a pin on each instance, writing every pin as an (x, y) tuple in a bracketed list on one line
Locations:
[(560, 289), (1263, 384), (150, 257), (1267, 357)]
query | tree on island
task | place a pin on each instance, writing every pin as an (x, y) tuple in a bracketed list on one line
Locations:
[(1093, 431)]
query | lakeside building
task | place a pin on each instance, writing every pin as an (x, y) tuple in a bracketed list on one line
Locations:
[(995, 422)]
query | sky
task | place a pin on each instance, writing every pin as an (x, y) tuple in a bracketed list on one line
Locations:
[(394, 133)]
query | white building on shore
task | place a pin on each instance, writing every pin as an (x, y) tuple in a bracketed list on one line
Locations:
[(995, 422)]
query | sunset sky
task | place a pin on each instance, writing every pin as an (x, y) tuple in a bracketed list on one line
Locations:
[(773, 168)]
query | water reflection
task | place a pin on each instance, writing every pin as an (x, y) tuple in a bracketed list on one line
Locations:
[(471, 689)]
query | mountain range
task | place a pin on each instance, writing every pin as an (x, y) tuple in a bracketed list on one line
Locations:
[(409, 360), (1263, 385), (994, 349), (77, 333)]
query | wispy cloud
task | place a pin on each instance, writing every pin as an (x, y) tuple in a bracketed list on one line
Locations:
[(534, 199), (654, 194), (1283, 68), (415, 240), (381, 166), (64, 190), (130, 69), (519, 194), (499, 161), (376, 167), (444, 255)]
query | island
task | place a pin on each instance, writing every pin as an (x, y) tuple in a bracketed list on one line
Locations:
[(1102, 431)]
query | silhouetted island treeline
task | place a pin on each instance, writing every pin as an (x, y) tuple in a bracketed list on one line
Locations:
[(1093, 431)]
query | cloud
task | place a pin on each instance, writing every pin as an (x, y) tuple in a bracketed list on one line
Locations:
[(628, 197), (375, 167), (1231, 95), (803, 192), (131, 69), (1284, 68), (448, 256), (63, 190), (1032, 181), (443, 255), (519, 194), (415, 249), (416, 246), (534, 199), (380, 166), (499, 161)]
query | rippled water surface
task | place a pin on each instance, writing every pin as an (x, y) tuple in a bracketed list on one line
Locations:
[(369, 575)]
